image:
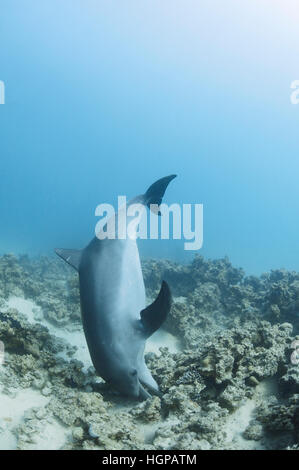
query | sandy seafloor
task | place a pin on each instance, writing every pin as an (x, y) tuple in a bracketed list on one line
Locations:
[(222, 362)]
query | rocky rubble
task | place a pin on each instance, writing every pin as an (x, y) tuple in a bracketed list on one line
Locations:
[(236, 334)]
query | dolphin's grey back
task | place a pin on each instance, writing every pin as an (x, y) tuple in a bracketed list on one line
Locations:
[(112, 292)]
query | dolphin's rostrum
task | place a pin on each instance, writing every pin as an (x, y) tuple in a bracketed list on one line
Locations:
[(115, 321)]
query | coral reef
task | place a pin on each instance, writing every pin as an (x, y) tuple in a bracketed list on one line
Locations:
[(231, 385)]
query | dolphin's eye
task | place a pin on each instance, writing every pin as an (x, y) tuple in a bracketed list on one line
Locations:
[(134, 372)]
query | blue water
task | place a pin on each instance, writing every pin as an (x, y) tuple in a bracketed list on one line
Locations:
[(104, 97)]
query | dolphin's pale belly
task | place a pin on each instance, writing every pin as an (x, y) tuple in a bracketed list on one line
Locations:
[(112, 296)]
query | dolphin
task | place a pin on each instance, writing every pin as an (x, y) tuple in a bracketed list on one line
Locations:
[(115, 320)]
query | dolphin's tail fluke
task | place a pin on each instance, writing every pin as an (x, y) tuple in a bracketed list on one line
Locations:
[(156, 191)]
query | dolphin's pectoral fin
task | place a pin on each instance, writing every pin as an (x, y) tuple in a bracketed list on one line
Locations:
[(155, 192), (155, 314), (72, 257)]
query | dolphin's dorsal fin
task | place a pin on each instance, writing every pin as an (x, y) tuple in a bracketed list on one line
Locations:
[(72, 257), (155, 314)]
